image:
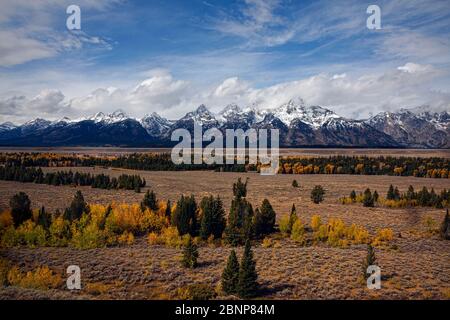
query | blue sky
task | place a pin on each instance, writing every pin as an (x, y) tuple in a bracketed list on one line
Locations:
[(170, 56)]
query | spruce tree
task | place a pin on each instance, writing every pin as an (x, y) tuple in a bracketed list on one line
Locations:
[(149, 201), (292, 217), (190, 254), (375, 196), (230, 275), (77, 207), (390, 194), (213, 217), (185, 216), (240, 188), (368, 198), (317, 194), (369, 261), (353, 195), (168, 211), (20, 208), (445, 227), (264, 220), (44, 219), (239, 226), (247, 285)]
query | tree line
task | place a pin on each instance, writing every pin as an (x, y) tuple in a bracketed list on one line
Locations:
[(432, 167), (102, 181)]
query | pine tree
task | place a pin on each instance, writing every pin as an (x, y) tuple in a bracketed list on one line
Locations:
[(396, 194), (213, 217), (368, 199), (247, 285), (239, 226), (295, 183), (190, 254), (168, 212), (44, 219), (77, 207), (292, 217), (20, 208), (230, 275), (375, 196), (264, 219), (240, 188), (185, 216), (445, 227), (353, 195), (410, 195), (317, 194), (390, 194), (149, 201), (369, 261)]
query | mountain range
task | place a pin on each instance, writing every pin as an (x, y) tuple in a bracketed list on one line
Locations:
[(300, 126)]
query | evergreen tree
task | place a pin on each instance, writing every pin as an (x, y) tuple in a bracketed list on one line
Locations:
[(445, 227), (149, 201), (396, 194), (44, 219), (375, 196), (369, 261), (368, 198), (240, 188), (295, 183), (168, 212), (213, 217), (77, 207), (20, 208), (239, 226), (353, 195), (292, 217), (185, 216), (230, 275), (317, 194), (264, 219), (247, 285), (410, 195), (190, 254), (390, 194)]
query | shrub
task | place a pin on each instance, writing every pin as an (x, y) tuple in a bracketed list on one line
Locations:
[(4, 269), (267, 243), (196, 292), (42, 278), (316, 222), (169, 236), (31, 234), (59, 232), (369, 261), (6, 220), (10, 238), (368, 200), (20, 208), (88, 237), (444, 231), (126, 238), (317, 194), (284, 225), (298, 232), (383, 236), (294, 183)]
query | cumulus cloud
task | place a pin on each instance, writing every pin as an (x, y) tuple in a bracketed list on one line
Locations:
[(355, 97)]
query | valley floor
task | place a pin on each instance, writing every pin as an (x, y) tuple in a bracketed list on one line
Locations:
[(415, 265)]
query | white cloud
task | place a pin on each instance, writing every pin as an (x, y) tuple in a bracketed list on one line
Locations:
[(355, 97), (28, 30)]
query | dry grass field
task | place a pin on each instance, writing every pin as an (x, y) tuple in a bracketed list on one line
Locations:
[(414, 266)]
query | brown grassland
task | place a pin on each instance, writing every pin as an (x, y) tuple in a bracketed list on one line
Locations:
[(415, 264)]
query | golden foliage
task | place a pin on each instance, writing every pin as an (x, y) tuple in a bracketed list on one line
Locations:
[(42, 278)]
